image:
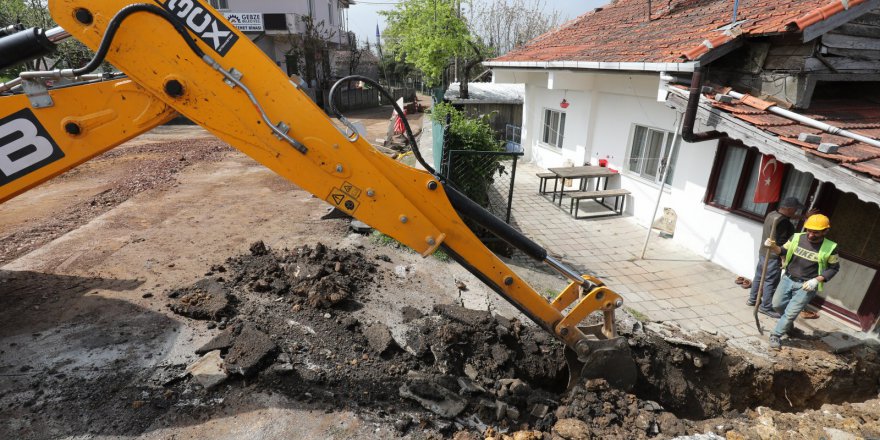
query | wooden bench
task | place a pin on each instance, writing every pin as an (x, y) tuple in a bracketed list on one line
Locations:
[(543, 178), (619, 196)]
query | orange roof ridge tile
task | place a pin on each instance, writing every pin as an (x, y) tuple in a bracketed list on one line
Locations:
[(823, 13)]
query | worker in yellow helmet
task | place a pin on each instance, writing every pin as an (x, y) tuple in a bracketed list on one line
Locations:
[(810, 261)]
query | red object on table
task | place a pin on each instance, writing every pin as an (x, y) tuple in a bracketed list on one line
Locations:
[(603, 162)]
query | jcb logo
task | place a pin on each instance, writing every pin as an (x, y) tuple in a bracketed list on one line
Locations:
[(196, 17), (24, 146)]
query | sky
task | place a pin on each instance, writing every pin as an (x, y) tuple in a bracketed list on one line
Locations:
[(364, 15)]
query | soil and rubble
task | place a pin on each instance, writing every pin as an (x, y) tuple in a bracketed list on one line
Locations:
[(283, 332), (289, 324)]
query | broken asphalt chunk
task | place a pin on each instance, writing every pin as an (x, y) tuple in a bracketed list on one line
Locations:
[(434, 398), (378, 337), (206, 299), (208, 371), (463, 315)]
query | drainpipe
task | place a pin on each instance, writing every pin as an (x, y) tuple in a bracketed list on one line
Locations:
[(690, 113)]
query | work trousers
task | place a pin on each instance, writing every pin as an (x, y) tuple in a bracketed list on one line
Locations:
[(790, 300), (774, 270)]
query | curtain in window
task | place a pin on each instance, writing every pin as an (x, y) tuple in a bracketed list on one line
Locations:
[(653, 151), (635, 154), (734, 157), (748, 202), (546, 137), (797, 185)]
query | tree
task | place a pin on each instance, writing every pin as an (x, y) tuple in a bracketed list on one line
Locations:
[(507, 24), (354, 53), (430, 34)]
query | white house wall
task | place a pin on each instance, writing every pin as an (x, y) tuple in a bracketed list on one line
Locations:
[(603, 107), (575, 132)]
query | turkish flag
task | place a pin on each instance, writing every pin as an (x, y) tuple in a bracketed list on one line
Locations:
[(769, 180)]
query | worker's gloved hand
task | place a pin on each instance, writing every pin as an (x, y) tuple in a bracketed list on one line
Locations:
[(810, 285), (769, 242)]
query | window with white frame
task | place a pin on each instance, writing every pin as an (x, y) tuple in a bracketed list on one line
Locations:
[(554, 127), (650, 152), (330, 12), (220, 4), (735, 176)]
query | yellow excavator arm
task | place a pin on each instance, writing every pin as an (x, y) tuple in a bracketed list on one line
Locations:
[(181, 56)]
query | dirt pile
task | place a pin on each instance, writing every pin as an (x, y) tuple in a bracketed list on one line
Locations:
[(292, 324), (305, 301)]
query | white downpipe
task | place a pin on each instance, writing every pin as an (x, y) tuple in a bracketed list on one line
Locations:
[(675, 139), (814, 123)]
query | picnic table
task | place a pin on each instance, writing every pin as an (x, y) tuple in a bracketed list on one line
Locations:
[(584, 173)]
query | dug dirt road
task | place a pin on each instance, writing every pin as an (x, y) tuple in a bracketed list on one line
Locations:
[(119, 276), (89, 257)]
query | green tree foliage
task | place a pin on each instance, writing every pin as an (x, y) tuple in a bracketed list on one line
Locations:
[(472, 174), (429, 33), (464, 132)]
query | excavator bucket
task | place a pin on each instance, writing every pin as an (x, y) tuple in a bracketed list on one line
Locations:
[(594, 351), (601, 358)]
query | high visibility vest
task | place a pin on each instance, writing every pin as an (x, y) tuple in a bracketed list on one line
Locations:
[(825, 251)]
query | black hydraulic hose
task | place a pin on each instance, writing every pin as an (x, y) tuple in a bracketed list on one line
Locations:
[(486, 219), (117, 20), (465, 206), (409, 133)]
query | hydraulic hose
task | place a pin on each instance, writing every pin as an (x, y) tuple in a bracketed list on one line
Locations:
[(409, 133), (116, 22)]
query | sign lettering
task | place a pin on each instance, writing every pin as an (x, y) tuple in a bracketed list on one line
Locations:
[(198, 18)]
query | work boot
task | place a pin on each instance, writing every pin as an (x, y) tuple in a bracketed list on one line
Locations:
[(775, 343), (771, 313)]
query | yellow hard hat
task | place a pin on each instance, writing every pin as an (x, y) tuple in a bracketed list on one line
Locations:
[(817, 222)]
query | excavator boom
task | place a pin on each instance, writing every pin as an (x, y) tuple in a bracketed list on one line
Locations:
[(181, 56)]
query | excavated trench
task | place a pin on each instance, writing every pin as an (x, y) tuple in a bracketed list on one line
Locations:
[(291, 320)]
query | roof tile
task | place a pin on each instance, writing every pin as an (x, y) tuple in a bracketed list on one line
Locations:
[(623, 32), (842, 113)]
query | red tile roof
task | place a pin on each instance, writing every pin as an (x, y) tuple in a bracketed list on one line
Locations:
[(860, 115), (679, 30)]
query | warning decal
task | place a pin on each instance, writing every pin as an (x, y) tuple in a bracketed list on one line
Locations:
[(351, 190), (343, 200)]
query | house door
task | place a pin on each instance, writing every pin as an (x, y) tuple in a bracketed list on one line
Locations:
[(854, 294)]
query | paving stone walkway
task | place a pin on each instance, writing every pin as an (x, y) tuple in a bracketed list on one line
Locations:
[(671, 284)]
